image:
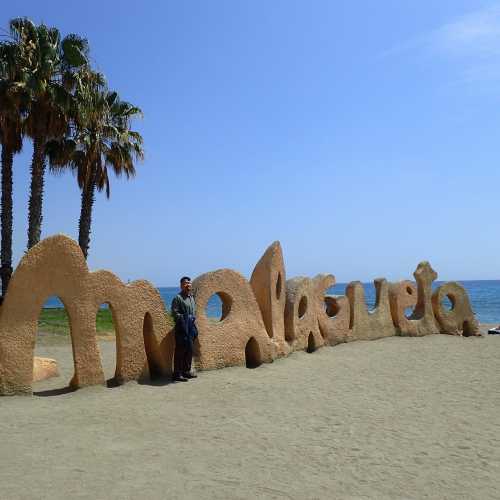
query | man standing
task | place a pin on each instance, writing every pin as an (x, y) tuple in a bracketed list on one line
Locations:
[(183, 311)]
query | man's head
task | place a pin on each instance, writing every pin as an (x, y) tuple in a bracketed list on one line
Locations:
[(186, 284)]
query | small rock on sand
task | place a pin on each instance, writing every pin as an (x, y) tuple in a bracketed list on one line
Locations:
[(44, 368)]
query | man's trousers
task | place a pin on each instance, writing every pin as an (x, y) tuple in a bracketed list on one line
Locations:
[(183, 355)]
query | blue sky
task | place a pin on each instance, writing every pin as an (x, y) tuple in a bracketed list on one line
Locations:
[(363, 135)]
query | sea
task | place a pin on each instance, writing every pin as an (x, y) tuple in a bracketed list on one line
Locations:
[(484, 296)]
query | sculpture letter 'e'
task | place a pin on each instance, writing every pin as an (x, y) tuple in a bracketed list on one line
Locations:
[(402, 295), (422, 321)]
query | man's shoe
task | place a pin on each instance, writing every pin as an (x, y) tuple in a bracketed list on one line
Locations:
[(179, 378), (190, 375)]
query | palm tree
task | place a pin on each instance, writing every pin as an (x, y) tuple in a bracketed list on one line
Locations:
[(11, 139), (102, 140), (49, 64)]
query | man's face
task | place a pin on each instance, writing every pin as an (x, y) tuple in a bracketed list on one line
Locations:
[(186, 286)]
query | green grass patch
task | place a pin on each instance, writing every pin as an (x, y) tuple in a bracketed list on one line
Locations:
[(55, 320)]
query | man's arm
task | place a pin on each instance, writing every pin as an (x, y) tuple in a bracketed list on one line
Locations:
[(176, 310)]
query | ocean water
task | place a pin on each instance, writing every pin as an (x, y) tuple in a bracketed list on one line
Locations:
[(484, 297)]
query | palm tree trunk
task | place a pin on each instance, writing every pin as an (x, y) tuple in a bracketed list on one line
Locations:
[(6, 218), (88, 196), (36, 192)]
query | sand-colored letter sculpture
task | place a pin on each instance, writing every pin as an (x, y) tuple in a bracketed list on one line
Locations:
[(56, 266), (263, 318), (240, 336)]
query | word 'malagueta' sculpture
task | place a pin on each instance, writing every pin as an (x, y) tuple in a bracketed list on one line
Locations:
[(262, 319)]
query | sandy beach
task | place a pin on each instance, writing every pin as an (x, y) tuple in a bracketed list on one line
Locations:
[(399, 418)]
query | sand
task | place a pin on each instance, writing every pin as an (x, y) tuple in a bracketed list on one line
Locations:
[(398, 418)]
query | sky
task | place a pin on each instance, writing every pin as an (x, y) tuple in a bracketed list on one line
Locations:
[(363, 135)]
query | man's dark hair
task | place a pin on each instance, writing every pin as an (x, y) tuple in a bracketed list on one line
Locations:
[(185, 278)]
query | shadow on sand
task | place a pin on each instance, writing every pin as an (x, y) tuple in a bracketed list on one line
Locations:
[(158, 381), (54, 392), (110, 384)]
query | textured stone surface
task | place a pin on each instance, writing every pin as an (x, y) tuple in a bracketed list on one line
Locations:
[(338, 310), (262, 319), (333, 312), (374, 324), (422, 321), (268, 282), (44, 368), (301, 315), (223, 343), (460, 319), (56, 266), (402, 295)]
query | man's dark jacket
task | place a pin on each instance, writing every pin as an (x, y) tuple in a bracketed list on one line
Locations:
[(183, 309)]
